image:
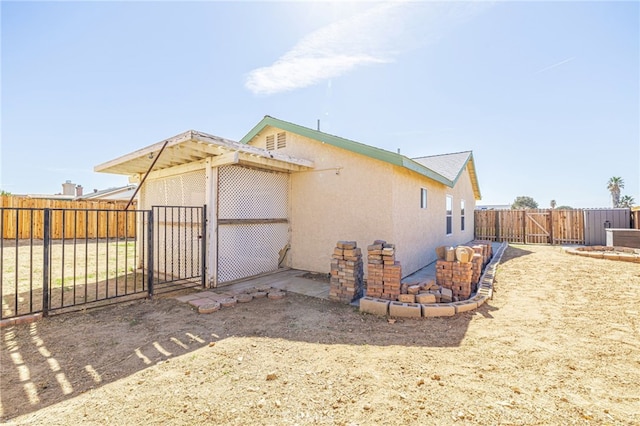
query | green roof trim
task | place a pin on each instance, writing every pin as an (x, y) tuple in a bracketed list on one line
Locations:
[(357, 147)]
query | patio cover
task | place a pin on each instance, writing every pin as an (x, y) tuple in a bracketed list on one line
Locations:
[(196, 148)]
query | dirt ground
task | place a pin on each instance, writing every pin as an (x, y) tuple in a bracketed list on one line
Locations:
[(558, 344)]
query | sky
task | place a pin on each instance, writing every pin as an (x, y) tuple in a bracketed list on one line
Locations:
[(546, 94)]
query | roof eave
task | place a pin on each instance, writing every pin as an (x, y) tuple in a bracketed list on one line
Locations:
[(191, 147), (357, 147)]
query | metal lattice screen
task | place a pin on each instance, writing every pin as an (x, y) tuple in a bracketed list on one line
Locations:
[(176, 240), (252, 221), (251, 249), (252, 194)]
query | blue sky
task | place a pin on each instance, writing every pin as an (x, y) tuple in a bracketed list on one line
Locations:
[(546, 94)]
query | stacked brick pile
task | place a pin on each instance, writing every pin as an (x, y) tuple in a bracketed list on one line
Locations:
[(384, 271), (461, 280), (485, 249), (461, 277), (444, 273), (375, 269), (477, 263), (346, 283)]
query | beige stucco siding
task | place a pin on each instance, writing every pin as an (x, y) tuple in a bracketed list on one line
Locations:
[(345, 197), (417, 231), (349, 196)]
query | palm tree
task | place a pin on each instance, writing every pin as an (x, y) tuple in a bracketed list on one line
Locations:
[(627, 201), (614, 186)]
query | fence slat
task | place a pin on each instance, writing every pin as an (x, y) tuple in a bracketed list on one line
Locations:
[(537, 226), (97, 226)]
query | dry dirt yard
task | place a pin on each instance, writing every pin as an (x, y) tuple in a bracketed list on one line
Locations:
[(558, 344)]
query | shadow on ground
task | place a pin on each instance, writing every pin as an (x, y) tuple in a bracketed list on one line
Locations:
[(513, 252), (65, 355)]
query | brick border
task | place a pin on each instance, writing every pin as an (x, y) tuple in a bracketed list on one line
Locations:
[(625, 254), (378, 306), (24, 319)]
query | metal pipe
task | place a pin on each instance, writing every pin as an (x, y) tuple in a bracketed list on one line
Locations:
[(146, 174)]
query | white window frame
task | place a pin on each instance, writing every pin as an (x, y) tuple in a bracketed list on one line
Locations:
[(423, 198), (449, 215), (462, 215)]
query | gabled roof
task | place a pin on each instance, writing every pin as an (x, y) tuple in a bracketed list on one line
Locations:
[(446, 169), (452, 165), (448, 165)]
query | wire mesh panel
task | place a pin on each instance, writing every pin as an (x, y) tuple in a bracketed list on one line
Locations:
[(252, 221), (249, 249)]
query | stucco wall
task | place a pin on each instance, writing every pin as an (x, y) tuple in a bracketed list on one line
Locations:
[(348, 196), (345, 197), (418, 231)]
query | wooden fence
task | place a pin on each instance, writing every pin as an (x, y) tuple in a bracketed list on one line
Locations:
[(23, 218), (531, 226)]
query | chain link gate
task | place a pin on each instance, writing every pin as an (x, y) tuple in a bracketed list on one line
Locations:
[(253, 225)]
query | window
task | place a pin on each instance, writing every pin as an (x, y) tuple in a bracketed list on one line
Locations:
[(271, 145), (449, 214), (462, 215), (423, 198)]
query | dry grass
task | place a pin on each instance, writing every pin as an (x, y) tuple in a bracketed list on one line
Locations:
[(81, 272)]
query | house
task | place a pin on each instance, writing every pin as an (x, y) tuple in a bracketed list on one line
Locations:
[(493, 207), (73, 192), (119, 193), (285, 194)]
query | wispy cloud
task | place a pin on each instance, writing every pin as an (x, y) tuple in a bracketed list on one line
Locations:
[(557, 64), (376, 36)]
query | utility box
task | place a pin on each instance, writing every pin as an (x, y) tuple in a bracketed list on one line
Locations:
[(623, 238)]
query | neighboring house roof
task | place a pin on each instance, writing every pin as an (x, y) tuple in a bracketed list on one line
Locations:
[(109, 192), (493, 207), (48, 196), (445, 169), (102, 194)]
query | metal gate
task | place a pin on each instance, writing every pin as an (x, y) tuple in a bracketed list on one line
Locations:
[(253, 225), (179, 247), (60, 260)]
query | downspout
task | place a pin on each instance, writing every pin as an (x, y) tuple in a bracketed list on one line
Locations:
[(146, 174)]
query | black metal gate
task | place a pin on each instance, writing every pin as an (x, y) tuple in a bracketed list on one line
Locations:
[(58, 260), (179, 247)]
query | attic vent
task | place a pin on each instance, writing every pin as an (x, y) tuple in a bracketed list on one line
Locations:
[(271, 145), (282, 140)]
